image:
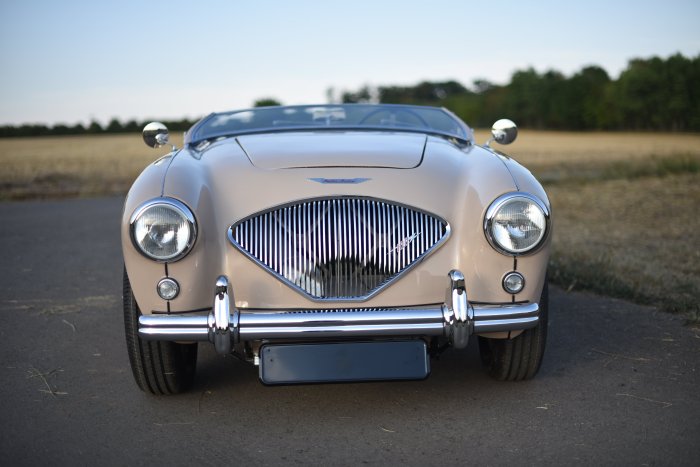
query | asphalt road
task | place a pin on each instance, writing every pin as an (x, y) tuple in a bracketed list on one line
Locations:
[(619, 384)]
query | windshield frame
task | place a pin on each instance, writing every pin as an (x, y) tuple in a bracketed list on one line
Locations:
[(194, 136)]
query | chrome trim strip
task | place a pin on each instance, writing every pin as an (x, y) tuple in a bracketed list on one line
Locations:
[(360, 229), (336, 181), (491, 312), (343, 317), (173, 332), (490, 318), (148, 323), (502, 325), (364, 330)]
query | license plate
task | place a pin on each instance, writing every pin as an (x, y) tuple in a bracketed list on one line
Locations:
[(344, 362)]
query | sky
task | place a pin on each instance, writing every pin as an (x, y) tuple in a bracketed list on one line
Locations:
[(73, 61)]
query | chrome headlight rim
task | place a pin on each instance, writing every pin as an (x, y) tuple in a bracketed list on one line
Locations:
[(497, 204), (177, 205)]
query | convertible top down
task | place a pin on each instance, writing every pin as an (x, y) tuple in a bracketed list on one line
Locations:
[(334, 243)]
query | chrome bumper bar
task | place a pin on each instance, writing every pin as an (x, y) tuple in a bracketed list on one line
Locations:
[(226, 325)]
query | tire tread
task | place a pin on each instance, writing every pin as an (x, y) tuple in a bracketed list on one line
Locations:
[(519, 358), (159, 367)]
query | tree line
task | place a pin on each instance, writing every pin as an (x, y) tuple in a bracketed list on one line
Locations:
[(650, 94), (94, 128)]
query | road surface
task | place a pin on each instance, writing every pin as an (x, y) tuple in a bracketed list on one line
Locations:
[(619, 384)]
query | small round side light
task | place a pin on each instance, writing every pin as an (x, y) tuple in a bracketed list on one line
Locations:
[(168, 288), (513, 282)]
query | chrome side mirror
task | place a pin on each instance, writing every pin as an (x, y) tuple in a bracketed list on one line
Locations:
[(155, 135), (504, 131)]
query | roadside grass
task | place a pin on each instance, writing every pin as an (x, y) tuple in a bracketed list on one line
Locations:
[(552, 148), (625, 205), (653, 166), (70, 166), (637, 239), (625, 208)]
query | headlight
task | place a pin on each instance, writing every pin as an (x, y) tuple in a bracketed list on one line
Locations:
[(163, 229), (516, 223)]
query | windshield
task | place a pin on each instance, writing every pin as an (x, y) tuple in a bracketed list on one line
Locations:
[(384, 117)]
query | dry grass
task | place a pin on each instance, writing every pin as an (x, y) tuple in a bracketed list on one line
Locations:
[(625, 212), (62, 166), (625, 204), (548, 148), (635, 239), (92, 165)]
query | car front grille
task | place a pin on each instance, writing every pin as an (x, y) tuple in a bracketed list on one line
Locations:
[(341, 248)]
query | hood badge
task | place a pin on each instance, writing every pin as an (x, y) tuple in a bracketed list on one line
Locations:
[(346, 181), (403, 244)]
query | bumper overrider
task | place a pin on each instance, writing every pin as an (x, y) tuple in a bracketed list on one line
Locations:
[(227, 325)]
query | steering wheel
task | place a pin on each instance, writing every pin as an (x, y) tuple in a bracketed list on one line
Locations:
[(393, 113)]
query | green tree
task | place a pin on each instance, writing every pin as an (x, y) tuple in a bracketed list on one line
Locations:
[(114, 126), (526, 98), (362, 96), (586, 99), (266, 102), (131, 126), (650, 94), (682, 88), (94, 128)]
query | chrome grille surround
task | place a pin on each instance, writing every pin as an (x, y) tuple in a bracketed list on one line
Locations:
[(340, 248)]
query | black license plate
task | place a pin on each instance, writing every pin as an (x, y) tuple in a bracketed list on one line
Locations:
[(344, 362)]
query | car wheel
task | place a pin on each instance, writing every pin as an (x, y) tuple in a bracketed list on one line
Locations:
[(159, 367), (519, 358)]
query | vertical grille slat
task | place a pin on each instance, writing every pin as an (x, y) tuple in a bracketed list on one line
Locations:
[(339, 248)]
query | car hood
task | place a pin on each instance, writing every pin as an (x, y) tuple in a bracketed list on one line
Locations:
[(223, 181), (334, 149), (222, 187)]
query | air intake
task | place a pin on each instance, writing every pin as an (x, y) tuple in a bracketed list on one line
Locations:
[(341, 248)]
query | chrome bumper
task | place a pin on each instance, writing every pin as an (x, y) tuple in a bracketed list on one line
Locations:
[(226, 325)]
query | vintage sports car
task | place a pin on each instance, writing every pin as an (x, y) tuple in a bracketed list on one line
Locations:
[(334, 243)]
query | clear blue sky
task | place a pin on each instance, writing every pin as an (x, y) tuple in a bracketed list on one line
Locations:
[(71, 61)]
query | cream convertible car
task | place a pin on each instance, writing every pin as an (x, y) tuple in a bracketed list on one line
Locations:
[(333, 243)]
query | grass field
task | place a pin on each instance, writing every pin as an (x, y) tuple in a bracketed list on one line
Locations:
[(67, 166), (626, 211), (625, 204)]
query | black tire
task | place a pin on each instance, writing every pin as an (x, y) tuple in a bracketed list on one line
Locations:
[(520, 358), (159, 367)]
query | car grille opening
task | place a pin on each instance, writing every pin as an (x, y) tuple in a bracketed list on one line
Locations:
[(340, 248)]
